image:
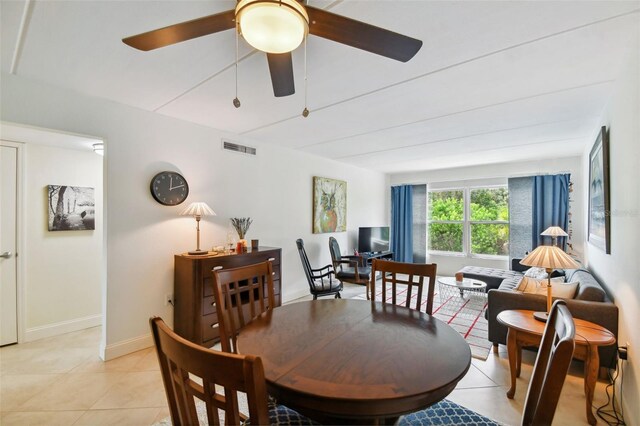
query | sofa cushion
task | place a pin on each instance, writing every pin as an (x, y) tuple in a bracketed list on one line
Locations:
[(588, 288), (493, 277), (509, 283)]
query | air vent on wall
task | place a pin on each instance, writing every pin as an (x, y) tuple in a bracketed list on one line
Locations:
[(242, 149)]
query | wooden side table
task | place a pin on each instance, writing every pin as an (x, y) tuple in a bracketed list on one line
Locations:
[(524, 330)]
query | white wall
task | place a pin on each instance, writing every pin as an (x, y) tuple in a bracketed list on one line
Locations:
[(490, 175), (142, 236), (62, 281), (620, 270)]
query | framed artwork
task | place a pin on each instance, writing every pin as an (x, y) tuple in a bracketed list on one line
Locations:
[(71, 208), (599, 206), (329, 205)]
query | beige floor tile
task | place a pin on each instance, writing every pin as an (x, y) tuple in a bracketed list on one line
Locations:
[(136, 390), (129, 416), (124, 363), (149, 362), (40, 360), (77, 391), (163, 414), (475, 379), (15, 389), (38, 418)]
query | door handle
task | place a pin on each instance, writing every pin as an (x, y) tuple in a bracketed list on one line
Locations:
[(6, 255)]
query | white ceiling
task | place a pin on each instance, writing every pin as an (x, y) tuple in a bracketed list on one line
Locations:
[(493, 82)]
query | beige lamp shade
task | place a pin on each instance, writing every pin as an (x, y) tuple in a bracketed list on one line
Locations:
[(549, 257), (198, 209), (554, 231)]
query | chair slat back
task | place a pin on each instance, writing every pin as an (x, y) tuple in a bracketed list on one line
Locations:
[(241, 294), (411, 277), (305, 260), (334, 249), (551, 367), (180, 360)]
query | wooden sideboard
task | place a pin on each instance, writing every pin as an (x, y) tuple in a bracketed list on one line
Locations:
[(194, 316)]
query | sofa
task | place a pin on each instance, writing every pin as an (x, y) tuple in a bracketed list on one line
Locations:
[(590, 303)]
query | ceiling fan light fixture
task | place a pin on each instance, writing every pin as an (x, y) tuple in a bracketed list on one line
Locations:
[(272, 26)]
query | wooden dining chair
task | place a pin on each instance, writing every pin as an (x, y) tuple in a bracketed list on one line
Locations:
[(399, 277), (321, 281), (181, 361), (549, 372), (241, 294), (551, 367)]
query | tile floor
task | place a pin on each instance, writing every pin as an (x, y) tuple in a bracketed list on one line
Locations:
[(61, 381)]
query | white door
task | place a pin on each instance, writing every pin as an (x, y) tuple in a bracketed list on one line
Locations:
[(8, 264)]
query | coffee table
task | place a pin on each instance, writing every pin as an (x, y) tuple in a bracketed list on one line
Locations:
[(525, 330), (345, 360), (449, 287)]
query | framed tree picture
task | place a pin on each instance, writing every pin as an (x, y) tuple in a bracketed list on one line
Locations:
[(329, 205), (599, 204), (71, 208)]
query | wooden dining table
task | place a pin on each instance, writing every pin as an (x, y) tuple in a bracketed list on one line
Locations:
[(355, 361)]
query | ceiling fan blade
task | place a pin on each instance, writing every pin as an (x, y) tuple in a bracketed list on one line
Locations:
[(362, 36), (183, 31), (281, 68)]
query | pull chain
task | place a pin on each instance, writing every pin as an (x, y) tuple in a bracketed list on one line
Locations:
[(305, 111), (236, 101)]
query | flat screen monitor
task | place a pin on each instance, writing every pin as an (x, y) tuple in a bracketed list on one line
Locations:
[(373, 239)]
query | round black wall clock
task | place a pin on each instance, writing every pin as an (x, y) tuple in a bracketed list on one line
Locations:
[(169, 188)]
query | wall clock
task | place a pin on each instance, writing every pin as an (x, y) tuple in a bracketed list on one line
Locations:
[(169, 188)]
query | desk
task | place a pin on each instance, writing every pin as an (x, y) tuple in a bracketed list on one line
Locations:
[(524, 330), (358, 360), (368, 257)]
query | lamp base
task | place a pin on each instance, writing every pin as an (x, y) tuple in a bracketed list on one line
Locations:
[(198, 252), (541, 316)]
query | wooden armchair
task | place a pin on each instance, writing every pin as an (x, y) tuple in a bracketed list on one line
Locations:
[(350, 269), (320, 280)]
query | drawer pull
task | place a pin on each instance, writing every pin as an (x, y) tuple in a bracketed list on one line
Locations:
[(271, 259), (217, 268)]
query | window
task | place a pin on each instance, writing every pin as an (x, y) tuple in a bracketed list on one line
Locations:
[(445, 215), (469, 221)]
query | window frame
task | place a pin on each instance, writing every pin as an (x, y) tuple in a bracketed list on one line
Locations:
[(466, 223)]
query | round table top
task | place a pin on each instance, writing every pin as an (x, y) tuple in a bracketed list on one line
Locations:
[(587, 333), (354, 358), (465, 284)]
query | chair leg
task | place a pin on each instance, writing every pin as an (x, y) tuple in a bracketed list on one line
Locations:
[(315, 297), (338, 296)]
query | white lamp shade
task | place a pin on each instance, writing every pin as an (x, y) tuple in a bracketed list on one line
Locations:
[(549, 257), (198, 209), (272, 26), (554, 231)]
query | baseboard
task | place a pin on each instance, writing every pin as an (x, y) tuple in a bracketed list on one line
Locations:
[(62, 327), (125, 347), (296, 295)]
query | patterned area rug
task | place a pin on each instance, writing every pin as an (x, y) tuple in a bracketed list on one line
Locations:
[(465, 313)]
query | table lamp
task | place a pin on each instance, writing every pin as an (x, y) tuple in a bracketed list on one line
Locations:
[(549, 258), (198, 210), (554, 232)]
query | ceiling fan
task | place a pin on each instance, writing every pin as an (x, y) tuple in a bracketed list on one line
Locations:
[(277, 27)]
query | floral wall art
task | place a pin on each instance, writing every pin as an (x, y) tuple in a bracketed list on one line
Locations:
[(329, 205)]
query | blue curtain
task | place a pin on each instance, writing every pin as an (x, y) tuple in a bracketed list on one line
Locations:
[(550, 207), (402, 223)]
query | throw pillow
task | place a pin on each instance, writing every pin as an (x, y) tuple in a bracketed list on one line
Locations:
[(531, 285), (537, 273), (563, 290)]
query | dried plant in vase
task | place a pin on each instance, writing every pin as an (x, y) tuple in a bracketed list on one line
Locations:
[(241, 224)]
